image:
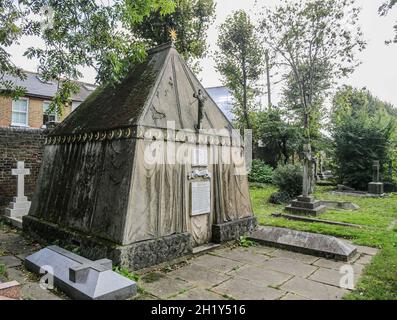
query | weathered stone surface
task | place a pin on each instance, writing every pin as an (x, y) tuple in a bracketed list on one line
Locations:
[(242, 255), (135, 256), (367, 250), (305, 258), (313, 290), (95, 282), (247, 290), (166, 287), (198, 294), (233, 230), (345, 205), (292, 296), (10, 261), (304, 242), (289, 266), (200, 275), (217, 263), (331, 277), (261, 276), (364, 259), (306, 211), (33, 291)]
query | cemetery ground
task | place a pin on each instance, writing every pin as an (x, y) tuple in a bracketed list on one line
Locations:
[(246, 271), (377, 218)]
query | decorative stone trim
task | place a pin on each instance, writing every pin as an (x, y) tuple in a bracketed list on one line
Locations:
[(232, 230), (135, 256)]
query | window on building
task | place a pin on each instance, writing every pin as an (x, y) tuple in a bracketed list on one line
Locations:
[(20, 109), (48, 116)]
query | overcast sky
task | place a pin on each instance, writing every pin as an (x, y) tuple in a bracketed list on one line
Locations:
[(378, 71)]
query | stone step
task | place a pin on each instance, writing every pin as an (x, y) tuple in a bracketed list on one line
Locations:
[(14, 221), (306, 211), (307, 205), (205, 247), (20, 205), (304, 242), (16, 213)]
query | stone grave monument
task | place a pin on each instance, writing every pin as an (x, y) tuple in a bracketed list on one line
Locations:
[(78, 277), (143, 172), (20, 205), (306, 204), (375, 187)]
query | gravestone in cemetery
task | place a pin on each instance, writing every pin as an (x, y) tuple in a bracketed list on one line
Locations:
[(375, 187), (306, 204), (20, 205), (80, 278), (143, 172)]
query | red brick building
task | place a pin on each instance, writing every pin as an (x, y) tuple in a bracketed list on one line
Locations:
[(30, 111)]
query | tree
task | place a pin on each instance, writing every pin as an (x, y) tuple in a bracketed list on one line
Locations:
[(280, 137), (11, 29), (384, 10), (190, 21), (362, 132), (87, 33), (239, 61), (315, 42)]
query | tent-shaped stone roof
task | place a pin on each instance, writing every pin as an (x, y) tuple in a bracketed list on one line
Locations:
[(156, 91)]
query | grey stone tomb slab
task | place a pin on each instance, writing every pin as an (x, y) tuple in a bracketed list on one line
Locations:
[(79, 277), (306, 205), (304, 242)]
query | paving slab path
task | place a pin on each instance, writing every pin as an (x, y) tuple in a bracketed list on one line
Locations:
[(257, 272)]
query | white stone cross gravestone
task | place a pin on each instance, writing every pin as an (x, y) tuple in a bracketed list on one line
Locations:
[(20, 205)]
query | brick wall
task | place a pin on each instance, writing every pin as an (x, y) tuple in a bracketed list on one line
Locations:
[(19, 144), (35, 112)]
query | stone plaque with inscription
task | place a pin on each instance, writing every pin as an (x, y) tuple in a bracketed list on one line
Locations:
[(201, 197)]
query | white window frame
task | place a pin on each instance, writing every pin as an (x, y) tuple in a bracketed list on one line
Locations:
[(56, 113), (27, 113)]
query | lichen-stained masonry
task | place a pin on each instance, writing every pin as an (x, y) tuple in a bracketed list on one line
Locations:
[(98, 189)]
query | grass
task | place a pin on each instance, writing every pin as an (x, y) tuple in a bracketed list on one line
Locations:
[(2, 270), (375, 216)]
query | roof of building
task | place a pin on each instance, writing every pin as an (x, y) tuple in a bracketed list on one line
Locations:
[(158, 90), (37, 87)]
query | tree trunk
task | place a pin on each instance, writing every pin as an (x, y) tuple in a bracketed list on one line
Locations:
[(245, 107), (269, 93)]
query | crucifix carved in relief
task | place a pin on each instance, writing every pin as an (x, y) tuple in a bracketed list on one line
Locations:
[(201, 100)]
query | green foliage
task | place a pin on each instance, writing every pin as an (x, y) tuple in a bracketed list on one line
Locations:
[(239, 61), (190, 20), (11, 30), (280, 197), (2, 270), (126, 273), (379, 280), (87, 33), (282, 138), (288, 179), (384, 10), (244, 242), (260, 172), (315, 41), (363, 131)]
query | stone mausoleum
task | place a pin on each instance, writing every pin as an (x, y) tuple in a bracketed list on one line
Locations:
[(144, 171)]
